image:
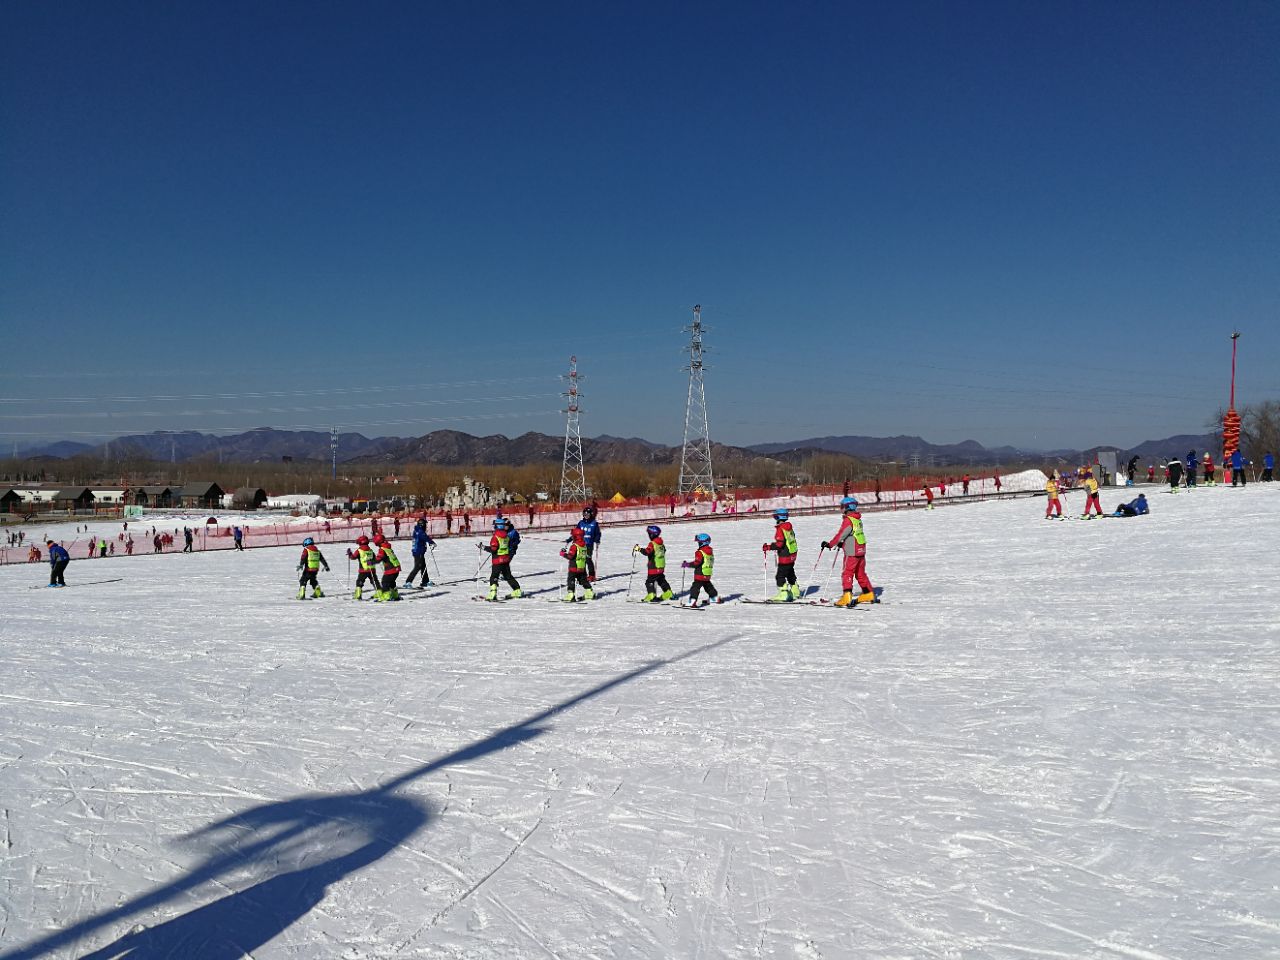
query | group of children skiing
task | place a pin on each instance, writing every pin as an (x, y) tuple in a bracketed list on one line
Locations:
[(579, 554)]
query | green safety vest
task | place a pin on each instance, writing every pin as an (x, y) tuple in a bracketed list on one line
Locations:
[(659, 560), (390, 557), (504, 545), (708, 561), (859, 537), (789, 541), (365, 556), (578, 554), (313, 558)]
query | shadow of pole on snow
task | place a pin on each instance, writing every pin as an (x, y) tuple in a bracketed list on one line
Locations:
[(294, 850)]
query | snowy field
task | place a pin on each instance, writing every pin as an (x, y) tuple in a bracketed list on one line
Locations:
[(1053, 740)]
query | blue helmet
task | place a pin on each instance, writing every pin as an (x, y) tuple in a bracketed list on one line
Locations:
[(849, 503), (308, 542), (499, 524), (653, 530), (703, 538), (780, 515)]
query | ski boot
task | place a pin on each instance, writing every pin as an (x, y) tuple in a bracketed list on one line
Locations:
[(867, 596), (783, 595), (649, 598), (668, 595), (493, 592), (569, 597), (796, 591), (317, 592), (515, 594), (588, 594), (393, 594), (359, 594), (302, 593), (846, 598)]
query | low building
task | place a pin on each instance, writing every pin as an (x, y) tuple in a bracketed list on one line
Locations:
[(73, 498), (201, 495), (248, 498), (110, 496), (158, 497)]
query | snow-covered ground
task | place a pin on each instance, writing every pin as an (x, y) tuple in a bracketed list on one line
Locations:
[(1053, 740)]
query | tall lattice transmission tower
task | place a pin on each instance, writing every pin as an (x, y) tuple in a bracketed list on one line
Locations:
[(695, 458), (573, 478)]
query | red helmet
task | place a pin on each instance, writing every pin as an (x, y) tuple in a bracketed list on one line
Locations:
[(362, 541), (380, 540), (577, 533)]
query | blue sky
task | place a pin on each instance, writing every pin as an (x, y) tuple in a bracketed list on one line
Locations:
[(1018, 223)]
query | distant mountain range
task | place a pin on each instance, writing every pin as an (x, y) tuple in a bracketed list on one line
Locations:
[(452, 448)]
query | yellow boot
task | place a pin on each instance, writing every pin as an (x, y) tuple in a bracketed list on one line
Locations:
[(846, 598), (867, 596)]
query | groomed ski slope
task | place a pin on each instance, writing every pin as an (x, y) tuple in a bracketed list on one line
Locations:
[(1053, 740)]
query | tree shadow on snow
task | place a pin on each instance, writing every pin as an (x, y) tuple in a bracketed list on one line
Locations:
[(284, 856)]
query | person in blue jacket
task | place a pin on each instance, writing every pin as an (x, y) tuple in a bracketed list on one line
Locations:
[(1238, 479), (1268, 464), (58, 560), (1134, 508), (1192, 465), (421, 543), (513, 536), (590, 537)]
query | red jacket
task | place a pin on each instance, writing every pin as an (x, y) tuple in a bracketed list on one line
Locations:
[(785, 555), (850, 537), (499, 547), (651, 553), (704, 554)]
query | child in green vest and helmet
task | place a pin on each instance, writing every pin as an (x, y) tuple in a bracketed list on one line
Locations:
[(578, 553), (702, 563), (310, 563), (785, 546), (368, 570), (656, 573)]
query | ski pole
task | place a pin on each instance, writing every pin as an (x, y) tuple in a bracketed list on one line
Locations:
[(633, 572), (476, 575), (684, 572), (764, 570), (813, 573), (834, 556), (439, 576), (348, 573)]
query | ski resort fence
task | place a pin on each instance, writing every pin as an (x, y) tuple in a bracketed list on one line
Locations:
[(215, 531)]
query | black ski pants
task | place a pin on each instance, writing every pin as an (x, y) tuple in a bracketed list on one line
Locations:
[(419, 567), (786, 573), (706, 585), (503, 570), (575, 578), (1239, 478), (656, 582), (57, 571), (308, 578)]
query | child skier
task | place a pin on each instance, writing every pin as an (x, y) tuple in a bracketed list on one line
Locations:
[(310, 563), (702, 564), (499, 549), (421, 543), (363, 555), (1054, 507), (656, 572), (853, 541), (58, 560), (784, 545), (579, 556), (1208, 469), (390, 569), (1092, 501)]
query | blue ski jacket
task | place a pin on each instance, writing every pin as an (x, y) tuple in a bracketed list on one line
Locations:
[(56, 553), (421, 541), (1237, 460), (590, 531), (1269, 462)]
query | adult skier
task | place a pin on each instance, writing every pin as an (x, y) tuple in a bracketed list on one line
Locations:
[(655, 554), (368, 570), (1268, 466), (578, 554), (310, 563), (785, 546), (702, 565), (853, 541), (1174, 470), (499, 549), (390, 569), (513, 536), (591, 538), (1134, 508), (421, 543), (58, 560), (1238, 476), (1192, 465)]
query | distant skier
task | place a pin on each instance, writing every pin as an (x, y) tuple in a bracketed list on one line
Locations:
[(367, 570), (499, 549), (1131, 470), (1237, 468), (1092, 499), (187, 538), (578, 554), (785, 546), (58, 560), (1151, 473), (702, 565), (310, 563), (1208, 469), (591, 530), (390, 569), (853, 541), (655, 554), (928, 497), (1192, 465), (1174, 471), (964, 483), (1268, 466), (238, 536), (1054, 507), (1134, 508), (421, 543)]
